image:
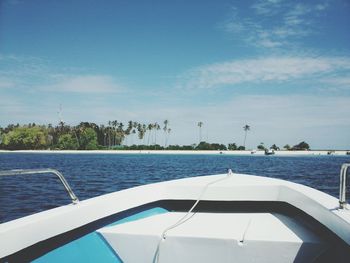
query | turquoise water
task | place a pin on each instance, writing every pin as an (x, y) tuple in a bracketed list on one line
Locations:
[(94, 174)]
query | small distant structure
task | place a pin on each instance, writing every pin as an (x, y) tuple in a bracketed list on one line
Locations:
[(269, 151)]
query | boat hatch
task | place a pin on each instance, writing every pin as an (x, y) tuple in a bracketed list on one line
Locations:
[(215, 237)]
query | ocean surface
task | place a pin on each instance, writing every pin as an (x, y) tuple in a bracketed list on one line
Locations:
[(92, 175)]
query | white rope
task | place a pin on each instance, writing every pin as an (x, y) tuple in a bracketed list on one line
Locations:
[(186, 216)]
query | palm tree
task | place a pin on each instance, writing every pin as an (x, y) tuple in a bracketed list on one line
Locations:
[(114, 138), (75, 134), (156, 128), (165, 129), (128, 131), (139, 131), (121, 133), (144, 130), (246, 128), (109, 134), (149, 128), (133, 132), (167, 136), (200, 124), (130, 125)]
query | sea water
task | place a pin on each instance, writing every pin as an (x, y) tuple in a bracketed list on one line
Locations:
[(92, 174)]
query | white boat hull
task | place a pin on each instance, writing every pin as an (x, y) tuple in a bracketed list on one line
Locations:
[(276, 235)]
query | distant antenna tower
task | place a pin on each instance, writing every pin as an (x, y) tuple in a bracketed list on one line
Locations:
[(60, 114)]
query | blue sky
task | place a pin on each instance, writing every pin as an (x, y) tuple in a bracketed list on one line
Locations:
[(282, 67)]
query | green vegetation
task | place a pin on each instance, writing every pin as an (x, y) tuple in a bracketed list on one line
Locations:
[(261, 147), (274, 147), (33, 137), (85, 136), (301, 147), (287, 147), (210, 146), (88, 139), (26, 138), (114, 136), (67, 142), (232, 147)]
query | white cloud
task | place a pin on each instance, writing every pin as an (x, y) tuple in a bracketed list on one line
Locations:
[(267, 8), (86, 84), (291, 22), (33, 73), (338, 83), (265, 69), (22, 66), (322, 6)]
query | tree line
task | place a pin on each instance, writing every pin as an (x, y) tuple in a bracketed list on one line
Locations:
[(85, 136), (113, 135)]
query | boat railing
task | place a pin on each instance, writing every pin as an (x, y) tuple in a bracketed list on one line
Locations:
[(342, 187), (69, 190)]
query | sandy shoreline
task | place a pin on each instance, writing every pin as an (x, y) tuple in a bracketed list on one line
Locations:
[(248, 152)]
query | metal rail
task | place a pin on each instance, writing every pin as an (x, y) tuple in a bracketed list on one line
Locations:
[(342, 187), (74, 198)]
